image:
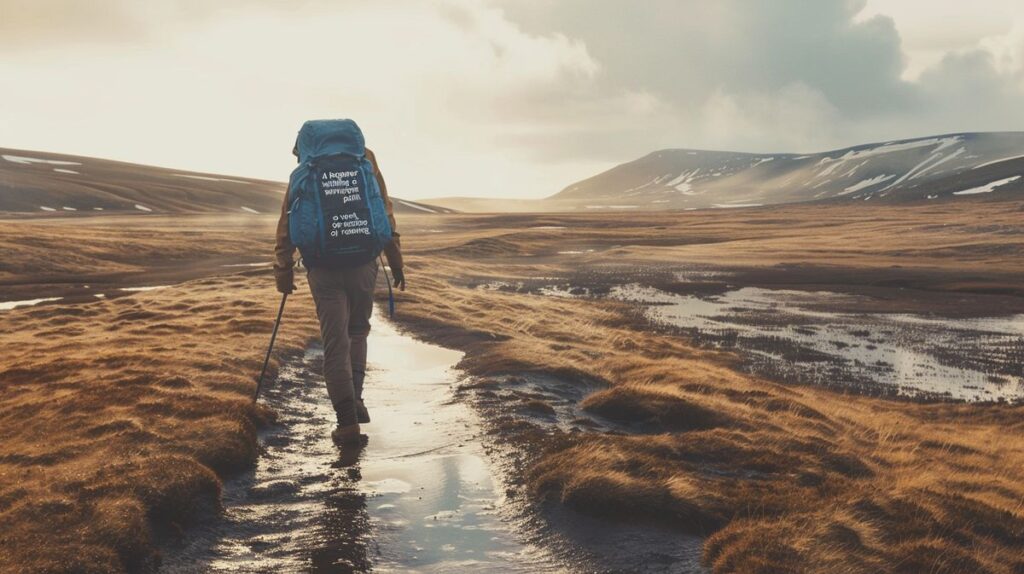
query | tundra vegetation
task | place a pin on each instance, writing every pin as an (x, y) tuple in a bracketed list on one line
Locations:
[(119, 416)]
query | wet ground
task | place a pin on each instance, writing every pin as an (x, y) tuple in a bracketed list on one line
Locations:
[(796, 336), (430, 491), (81, 294), (848, 341), (550, 405), (420, 497)]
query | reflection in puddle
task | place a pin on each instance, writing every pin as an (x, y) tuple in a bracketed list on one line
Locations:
[(787, 334), (419, 498)]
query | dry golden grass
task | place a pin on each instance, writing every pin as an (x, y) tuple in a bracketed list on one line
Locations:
[(782, 479), (115, 416)]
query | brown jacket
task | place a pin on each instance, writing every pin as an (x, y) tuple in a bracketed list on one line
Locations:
[(284, 251)]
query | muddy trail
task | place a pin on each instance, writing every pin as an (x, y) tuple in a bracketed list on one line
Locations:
[(420, 497)]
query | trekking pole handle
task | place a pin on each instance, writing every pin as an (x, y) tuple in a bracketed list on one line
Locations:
[(266, 360)]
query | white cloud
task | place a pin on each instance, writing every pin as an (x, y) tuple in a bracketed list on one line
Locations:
[(930, 30)]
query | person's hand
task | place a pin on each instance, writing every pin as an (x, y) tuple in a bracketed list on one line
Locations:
[(285, 281), (399, 276)]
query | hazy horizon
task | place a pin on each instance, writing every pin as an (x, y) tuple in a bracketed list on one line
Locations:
[(499, 98)]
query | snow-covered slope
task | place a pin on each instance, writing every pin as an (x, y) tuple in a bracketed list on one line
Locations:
[(47, 183), (917, 169)]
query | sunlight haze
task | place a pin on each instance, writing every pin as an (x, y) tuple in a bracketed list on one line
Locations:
[(498, 99)]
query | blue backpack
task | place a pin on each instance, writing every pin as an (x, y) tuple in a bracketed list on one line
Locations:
[(337, 216)]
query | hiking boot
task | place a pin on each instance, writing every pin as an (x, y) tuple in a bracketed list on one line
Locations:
[(362, 415), (348, 435)]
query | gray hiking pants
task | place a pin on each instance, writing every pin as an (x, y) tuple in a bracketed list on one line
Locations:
[(344, 302)]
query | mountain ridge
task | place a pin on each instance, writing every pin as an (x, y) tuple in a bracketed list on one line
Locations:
[(893, 171), (926, 168), (48, 183)]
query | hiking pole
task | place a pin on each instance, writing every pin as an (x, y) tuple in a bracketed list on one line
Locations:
[(266, 361), (391, 293)]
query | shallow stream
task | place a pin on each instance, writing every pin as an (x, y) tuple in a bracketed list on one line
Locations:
[(420, 497)]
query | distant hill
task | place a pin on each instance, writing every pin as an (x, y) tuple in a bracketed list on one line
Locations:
[(988, 165), (937, 167), (49, 183)]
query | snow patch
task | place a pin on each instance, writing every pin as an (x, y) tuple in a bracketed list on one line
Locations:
[(944, 143), (142, 207), (852, 155), (683, 182), (735, 205), (66, 208), (986, 164), (639, 187), (867, 183), (60, 170), (855, 168), (8, 305), (208, 178), (44, 208), (30, 160), (938, 163), (987, 188), (249, 210), (144, 289), (415, 206)]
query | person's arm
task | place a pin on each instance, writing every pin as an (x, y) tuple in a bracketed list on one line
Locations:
[(284, 253), (393, 250)]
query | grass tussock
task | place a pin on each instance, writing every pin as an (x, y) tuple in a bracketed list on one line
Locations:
[(889, 486), (779, 478), (117, 416)]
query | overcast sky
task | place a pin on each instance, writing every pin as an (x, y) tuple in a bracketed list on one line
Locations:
[(510, 98)]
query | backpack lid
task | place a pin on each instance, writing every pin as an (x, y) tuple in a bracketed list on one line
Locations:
[(320, 138)]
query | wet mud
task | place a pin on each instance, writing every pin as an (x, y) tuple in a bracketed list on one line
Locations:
[(524, 413)]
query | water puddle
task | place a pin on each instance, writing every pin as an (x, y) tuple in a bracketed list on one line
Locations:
[(791, 335), (144, 289), (8, 305), (419, 498)]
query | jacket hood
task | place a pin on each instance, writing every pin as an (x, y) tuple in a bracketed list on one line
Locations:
[(319, 138)]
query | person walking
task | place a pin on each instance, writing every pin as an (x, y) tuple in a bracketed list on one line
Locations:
[(333, 210)]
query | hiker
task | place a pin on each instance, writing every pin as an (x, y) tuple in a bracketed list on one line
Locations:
[(338, 214)]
